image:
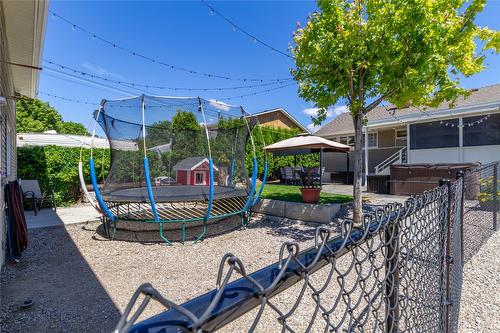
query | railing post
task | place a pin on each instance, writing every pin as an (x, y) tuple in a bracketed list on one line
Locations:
[(447, 258), (391, 236), (495, 195), (461, 175)]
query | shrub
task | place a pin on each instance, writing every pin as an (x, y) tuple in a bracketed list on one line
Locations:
[(57, 168)]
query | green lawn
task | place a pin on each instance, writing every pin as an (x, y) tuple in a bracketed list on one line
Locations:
[(292, 193)]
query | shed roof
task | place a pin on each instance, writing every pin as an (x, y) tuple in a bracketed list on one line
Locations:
[(191, 163)]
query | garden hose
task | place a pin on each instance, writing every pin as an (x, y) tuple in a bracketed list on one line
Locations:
[(17, 231)]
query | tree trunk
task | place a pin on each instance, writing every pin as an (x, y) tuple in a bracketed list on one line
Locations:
[(358, 168)]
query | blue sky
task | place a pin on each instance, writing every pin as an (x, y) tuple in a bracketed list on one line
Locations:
[(186, 34)]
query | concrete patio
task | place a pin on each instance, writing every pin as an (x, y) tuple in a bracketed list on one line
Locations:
[(63, 216)]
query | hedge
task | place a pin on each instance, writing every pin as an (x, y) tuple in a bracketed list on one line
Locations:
[(57, 168)]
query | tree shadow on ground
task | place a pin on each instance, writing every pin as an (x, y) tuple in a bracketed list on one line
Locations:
[(67, 295)]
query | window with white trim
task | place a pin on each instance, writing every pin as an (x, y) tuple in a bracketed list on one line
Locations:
[(347, 140), (401, 137), (372, 140), (199, 177)]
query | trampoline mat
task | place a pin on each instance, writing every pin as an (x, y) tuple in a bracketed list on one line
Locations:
[(174, 193)]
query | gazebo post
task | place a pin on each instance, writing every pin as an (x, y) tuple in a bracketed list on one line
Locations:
[(347, 173), (320, 166)]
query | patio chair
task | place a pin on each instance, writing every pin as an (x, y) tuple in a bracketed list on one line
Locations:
[(297, 174), (289, 175), (282, 175), (32, 193)]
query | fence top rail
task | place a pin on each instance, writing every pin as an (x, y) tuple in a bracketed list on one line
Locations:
[(230, 300)]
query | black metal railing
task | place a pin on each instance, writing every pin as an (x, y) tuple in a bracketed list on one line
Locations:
[(401, 270)]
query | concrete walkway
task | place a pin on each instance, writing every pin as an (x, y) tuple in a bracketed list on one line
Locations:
[(379, 199), (65, 215)]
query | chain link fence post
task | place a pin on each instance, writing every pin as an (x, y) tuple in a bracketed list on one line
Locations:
[(447, 257), (495, 195), (391, 235), (461, 175)]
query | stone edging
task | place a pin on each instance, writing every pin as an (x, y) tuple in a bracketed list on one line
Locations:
[(297, 210)]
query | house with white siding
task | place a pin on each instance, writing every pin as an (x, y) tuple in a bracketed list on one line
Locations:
[(467, 132), (22, 31)]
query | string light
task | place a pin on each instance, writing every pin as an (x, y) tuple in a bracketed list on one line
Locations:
[(237, 27), (156, 61), (150, 86), (68, 99)]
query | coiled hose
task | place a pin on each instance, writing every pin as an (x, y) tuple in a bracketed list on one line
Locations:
[(17, 231)]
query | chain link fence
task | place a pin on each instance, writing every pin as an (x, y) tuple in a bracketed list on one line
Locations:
[(400, 271)]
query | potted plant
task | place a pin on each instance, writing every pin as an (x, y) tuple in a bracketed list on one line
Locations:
[(487, 195), (310, 187)]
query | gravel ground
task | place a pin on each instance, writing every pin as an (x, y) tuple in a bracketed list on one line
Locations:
[(80, 281), (480, 306)]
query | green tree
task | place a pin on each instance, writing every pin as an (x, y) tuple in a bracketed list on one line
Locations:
[(402, 52), (71, 127), (35, 116)]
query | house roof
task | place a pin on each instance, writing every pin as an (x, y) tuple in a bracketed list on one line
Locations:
[(284, 112), (25, 23), (191, 163), (343, 124)]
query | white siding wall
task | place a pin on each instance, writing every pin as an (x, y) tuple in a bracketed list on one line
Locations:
[(482, 154)]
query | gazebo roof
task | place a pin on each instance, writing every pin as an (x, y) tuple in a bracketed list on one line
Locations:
[(305, 144)]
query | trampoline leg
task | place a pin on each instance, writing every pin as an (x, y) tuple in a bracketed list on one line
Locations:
[(201, 236), (244, 219), (162, 235), (114, 230), (183, 233), (105, 226)]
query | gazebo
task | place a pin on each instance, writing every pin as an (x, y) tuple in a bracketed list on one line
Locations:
[(307, 144)]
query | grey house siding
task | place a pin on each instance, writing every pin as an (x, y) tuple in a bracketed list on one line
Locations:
[(8, 121)]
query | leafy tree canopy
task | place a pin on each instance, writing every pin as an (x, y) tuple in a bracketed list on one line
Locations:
[(399, 51), (35, 116)]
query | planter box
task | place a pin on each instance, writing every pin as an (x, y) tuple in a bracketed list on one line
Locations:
[(297, 210)]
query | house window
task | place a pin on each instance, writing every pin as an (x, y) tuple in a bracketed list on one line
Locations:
[(401, 136), (347, 140), (372, 140), (435, 134), (199, 178), (482, 130)]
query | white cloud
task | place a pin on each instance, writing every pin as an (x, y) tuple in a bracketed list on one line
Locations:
[(339, 109), (219, 105), (313, 128), (331, 112), (101, 71)]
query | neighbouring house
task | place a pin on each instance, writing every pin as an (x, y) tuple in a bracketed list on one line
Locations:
[(22, 31), (279, 118), (193, 171), (468, 132)]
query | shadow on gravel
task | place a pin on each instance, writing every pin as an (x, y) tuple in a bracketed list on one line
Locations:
[(67, 295)]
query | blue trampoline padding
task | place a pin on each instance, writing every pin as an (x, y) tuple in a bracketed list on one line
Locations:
[(150, 189), (264, 179), (211, 190), (254, 182), (93, 178), (231, 173)]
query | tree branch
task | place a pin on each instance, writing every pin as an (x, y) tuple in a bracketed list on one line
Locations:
[(378, 101), (351, 84)]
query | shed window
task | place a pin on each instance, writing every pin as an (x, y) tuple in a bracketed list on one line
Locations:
[(482, 130), (435, 134)]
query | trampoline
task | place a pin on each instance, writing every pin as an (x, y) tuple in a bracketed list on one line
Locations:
[(175, 160)]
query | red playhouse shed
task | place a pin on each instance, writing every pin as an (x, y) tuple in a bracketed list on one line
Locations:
[(193, 171)]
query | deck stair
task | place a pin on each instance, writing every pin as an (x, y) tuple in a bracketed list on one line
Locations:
[(399, 157)]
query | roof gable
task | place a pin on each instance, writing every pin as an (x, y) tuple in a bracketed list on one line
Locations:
[(286, 114), (343, 124)]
